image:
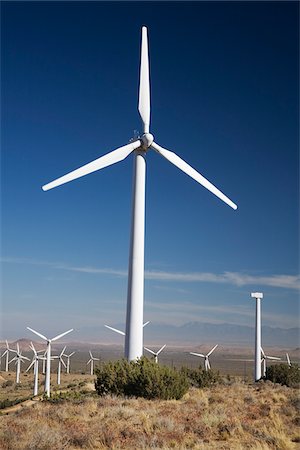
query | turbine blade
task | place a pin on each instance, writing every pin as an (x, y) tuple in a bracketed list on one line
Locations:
[(30, 365), (39, 334), (107, 160), (146, 323), (144, 89), (273, 358), (209, 353), (288, 359), (90, 354), (62, 352), (14, 359), (115, 329), (197, 354), (71, 354), (88, 361), (150, 351), (186, 168), (262, 351), (161, 349), (61, 335), (63, 363)]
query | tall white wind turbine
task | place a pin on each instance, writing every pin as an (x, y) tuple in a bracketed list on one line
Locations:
[(91, 362), (19, 358), (257, 371), (155, 354), (48, 355), (139, 148), (264, 359), (206, 360)]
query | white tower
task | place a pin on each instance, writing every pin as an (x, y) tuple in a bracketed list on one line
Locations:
[(258, 296)]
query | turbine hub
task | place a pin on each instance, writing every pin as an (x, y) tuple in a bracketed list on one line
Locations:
[(147, 140)]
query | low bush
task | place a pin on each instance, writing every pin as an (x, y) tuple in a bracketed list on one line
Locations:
[(142, 378), (284, 374), (201, 378)]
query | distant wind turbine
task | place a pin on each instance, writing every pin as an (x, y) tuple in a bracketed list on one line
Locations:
[(206, 360), (48, 355), (6, 353), (91, 361), (264, 359), (19, 358), (68, 361), (155, 354), (35, 363), (60, 362), (139, 147)]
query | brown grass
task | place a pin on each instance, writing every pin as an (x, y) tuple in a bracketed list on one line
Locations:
[(236, 416)]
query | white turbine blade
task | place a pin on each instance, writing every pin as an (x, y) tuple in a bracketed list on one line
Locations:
[(7, 344), (209, 353), (39, 334), (146, 323), (89, 361), (61, 335), (208, 364), (13, 351), (273, 358), (71, 354), (107, 160), (62, 352), (288, 359), (63, 363), (115, 329), (144, 90), (161, 349), (90, 354), (96, 359), (30, 365), (150, 351), (24, 357), (197, 354), (18, 347), (186, 168), (14, 359), (262, 351)]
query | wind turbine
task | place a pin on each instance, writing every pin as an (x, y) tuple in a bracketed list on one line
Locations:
[(155, 354), (48, 355), (35, 363), (68, 361), (19, 358), (206, 360), (257, 372), (6, 353), (60, 362), (139, 148), (91, 361), (264, 360)]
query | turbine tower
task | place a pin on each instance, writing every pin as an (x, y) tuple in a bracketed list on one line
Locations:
[(139, 148), (206, 360), (48, 355), (6, 353), (257, 373), (155, 354)]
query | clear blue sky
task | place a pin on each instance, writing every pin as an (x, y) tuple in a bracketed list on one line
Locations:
[(224, 92)]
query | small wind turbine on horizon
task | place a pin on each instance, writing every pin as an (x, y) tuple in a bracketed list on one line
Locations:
[(139, 148), (48, 355), (91, 361), (206, 360), (19, 358), (68, 361), (155, 354), (264, 359)]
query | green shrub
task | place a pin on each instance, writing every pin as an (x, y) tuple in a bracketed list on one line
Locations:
[(142, 378), (201, 378), (284, 374)]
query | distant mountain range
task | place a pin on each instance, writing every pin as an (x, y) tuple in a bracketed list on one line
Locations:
[(197, 332)]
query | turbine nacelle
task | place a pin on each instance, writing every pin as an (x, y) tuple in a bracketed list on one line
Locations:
[(147, 140)]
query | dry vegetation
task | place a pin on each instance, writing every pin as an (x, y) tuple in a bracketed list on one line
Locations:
[(233, 416)]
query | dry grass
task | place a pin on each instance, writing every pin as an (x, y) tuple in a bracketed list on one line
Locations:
[(236, 416)]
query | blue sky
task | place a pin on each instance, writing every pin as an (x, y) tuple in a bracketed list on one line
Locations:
[(224, 94)]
